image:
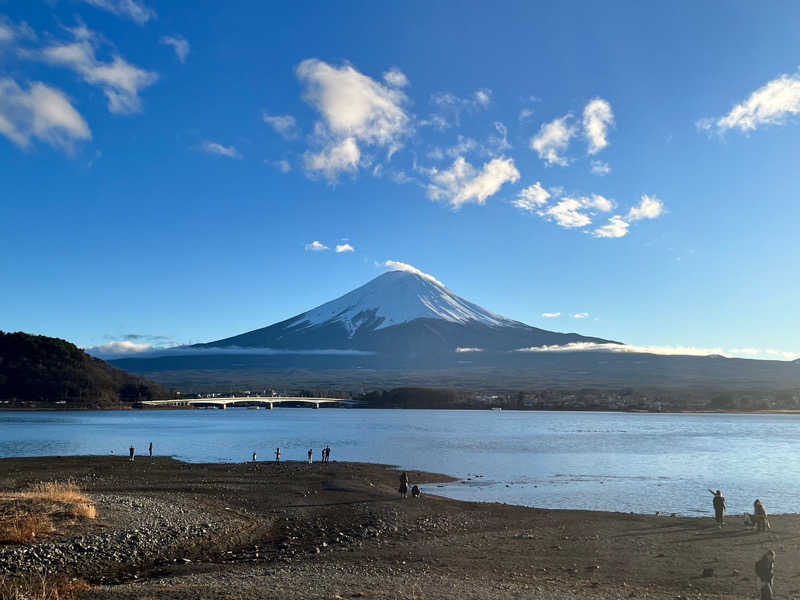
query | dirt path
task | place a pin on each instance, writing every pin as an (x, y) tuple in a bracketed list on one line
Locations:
[(168, 529)]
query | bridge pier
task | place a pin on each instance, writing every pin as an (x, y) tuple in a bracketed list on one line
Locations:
[(223, 406), (270, 405)]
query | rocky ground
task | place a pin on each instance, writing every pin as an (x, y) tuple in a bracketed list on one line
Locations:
[(167, 529)]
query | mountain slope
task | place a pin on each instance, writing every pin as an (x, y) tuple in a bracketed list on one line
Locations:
[(399, 312), (41, 370)]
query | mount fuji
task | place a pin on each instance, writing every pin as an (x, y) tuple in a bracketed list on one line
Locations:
[(403, 313)]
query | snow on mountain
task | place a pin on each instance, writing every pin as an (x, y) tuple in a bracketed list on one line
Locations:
[(398, 297)]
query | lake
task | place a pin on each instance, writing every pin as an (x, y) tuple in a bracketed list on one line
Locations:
[(582, 460)]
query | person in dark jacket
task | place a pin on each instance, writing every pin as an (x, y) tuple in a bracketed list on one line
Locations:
[(765, 569), (719, 507), (403, 484)]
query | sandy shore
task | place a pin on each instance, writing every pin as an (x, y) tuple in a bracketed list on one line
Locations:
[(168, 529)]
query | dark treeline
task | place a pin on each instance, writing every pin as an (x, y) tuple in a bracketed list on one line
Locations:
[(587, 399), (39, 371)]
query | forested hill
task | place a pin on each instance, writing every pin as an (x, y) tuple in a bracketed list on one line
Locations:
[(39, 371)]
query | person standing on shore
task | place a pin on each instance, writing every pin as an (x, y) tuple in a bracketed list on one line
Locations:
[(765, 569), (403, 484), (254, 457), (719, 507), (327, 454), (150, 449), (277, 455), (310, 455), (760, 514), (131, 450)]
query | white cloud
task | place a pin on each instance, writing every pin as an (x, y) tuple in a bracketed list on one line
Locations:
[(600, 168), (120, 81), (334, 159), (462, 349), (341, 248), (582, 315), (284, 125), (624, 348), (178, 44), (768, 105), (554, 315), (451, 107), (355, 109), (220, 150), (617, 227), (650, 207), (40, 112), (525, 114), (10, 32), (284, 166), (130, 9), (316, 246), (568, 213), (553, 140), (532, 197), (122, 348), (597, 118), (395, 78), (499, 142), (462, 183), (395, 265), (483, 97), (464, 145)]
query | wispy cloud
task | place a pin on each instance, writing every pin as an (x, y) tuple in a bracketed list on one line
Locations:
[(581, 315), (218, 149), (284, 125), (532, 197), (450, 107), (120, 81), (179, 44), (667, 350), (553, 315), (624, 348), (39, 112), (462, 349), (463, 183), (138, 12), (771, 104), (283, 165), (597, 118), (355, 110), (649, 207), (11, 32), (575, 212), (553, 139), (316, 246), (342, 248), (396, 265), (395, 78), (600, 168)]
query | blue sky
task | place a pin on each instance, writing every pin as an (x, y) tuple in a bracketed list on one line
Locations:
[(623, 170)]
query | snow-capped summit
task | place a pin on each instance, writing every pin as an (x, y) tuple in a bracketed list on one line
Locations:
[(399, 313), (395, 298)]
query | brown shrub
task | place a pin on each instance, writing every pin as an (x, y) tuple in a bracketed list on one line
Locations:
[(40, 587), (34, 513)]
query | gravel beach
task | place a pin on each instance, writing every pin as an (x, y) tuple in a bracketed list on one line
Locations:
[(167, 529)]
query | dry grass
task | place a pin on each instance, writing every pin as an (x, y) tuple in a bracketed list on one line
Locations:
[(42, 510), (40, 587)]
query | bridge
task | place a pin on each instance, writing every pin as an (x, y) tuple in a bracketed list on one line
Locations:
[(268, 401)]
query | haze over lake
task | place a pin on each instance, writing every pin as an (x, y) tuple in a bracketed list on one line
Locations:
[(598, 461)]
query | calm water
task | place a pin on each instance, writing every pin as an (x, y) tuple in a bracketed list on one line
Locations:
[(600, 461)]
